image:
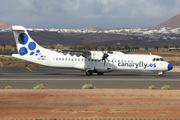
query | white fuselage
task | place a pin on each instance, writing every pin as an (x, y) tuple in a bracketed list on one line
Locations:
[(124, 62)]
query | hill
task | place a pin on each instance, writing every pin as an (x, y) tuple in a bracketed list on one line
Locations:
[(53, 38), (173, 22), (4, 25)]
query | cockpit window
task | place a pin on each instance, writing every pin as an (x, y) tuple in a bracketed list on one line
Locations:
[(158, 59), (161, 59)]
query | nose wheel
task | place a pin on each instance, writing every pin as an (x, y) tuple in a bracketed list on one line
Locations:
[(161, 74)]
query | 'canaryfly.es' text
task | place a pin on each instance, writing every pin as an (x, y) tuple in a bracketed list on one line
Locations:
[(136, 65)]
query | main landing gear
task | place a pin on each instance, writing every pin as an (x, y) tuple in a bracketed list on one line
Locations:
[(90, 72), (161, 74)]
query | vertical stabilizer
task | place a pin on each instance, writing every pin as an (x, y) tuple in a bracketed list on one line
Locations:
[(25, 44)]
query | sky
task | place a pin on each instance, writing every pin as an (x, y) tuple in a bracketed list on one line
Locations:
[(77, 14)]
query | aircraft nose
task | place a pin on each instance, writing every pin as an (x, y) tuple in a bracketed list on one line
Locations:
[(170, 67)]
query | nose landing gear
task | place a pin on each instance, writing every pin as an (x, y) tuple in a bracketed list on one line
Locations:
[(161, 74)]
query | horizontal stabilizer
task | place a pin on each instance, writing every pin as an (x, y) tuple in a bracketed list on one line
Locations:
[(21, 28)]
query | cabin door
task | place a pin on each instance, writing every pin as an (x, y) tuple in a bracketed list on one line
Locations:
[(47, 61)]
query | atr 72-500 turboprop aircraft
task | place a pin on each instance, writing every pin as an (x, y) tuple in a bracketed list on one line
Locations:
[(89, 61)]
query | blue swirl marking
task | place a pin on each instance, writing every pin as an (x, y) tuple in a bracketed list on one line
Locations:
[(23, 51), (32, 53), (32, 45), (37, 51), (23, 38), (152, 65), (42, 56), (36, 54)]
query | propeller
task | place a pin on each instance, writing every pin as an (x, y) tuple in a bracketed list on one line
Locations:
[(105, 55)]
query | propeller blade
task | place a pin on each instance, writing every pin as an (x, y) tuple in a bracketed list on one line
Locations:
[(104, 62), (105, 56)]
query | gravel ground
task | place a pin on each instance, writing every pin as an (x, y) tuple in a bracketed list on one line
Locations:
[(89, 103)]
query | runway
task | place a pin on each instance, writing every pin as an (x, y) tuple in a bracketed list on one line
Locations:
[(21, 77)]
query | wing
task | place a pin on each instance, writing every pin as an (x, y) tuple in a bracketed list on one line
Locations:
[(78, 53), (97, 55)]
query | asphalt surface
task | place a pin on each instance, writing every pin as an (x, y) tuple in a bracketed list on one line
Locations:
[(22, 77)]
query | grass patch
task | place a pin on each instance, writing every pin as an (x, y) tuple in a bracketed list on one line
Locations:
[(8, 87), (40, 86), (151, 87), (166, 87), (88, 86)]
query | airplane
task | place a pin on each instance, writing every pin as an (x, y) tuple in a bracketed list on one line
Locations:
[(88, 61)]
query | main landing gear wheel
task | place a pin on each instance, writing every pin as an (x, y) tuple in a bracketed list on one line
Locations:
[(89, 73), (100, 73)]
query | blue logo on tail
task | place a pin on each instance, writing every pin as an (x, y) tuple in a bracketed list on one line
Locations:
[(23, 40)]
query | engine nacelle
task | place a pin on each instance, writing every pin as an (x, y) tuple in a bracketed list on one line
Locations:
[(95, 55)]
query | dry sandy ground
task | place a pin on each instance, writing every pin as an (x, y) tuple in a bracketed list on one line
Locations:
[(89, 103)]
